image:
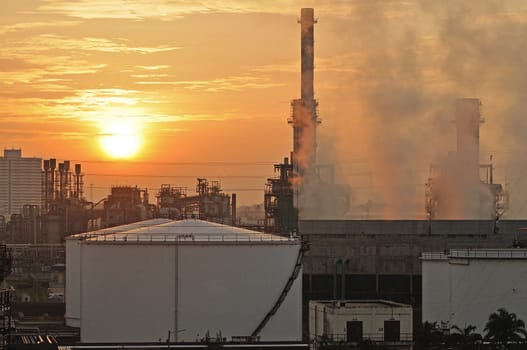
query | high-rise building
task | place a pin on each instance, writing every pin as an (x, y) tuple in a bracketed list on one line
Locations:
[(20, 182)]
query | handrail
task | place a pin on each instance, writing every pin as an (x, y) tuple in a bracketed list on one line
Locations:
[(380, 337), (296, 271), (477, 253), (190, 237)]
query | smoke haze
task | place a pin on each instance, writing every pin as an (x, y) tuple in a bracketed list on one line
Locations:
[(393, 112)]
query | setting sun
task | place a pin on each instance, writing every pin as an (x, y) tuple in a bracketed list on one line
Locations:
[(121, 139)]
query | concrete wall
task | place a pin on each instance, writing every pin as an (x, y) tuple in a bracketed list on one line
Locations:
[(394, 246), (436, 290), (478, 287), (410, 227), (387, 253)]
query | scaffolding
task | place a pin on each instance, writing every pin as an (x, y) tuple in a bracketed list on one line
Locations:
[(6, 295), (281, 216), (209, 203)]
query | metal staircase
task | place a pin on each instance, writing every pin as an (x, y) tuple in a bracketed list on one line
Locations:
[(296, 271)]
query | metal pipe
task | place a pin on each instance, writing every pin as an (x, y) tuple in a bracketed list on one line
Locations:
[(233, 209), (337, 261), (343, 279)]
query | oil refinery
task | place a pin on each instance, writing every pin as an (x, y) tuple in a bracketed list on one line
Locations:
[(185, 270)]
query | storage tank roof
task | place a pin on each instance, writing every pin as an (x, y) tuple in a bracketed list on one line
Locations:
[(120, 228), (188, 230)]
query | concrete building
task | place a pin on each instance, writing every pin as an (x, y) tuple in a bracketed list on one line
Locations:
[(186, 280), (20, 182), (382, 256), (464, 286), (352, 321)]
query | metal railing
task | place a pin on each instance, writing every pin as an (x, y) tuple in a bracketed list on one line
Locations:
[(191, 237), (489, 253), (376, 337), (434, 256), (477, 253)]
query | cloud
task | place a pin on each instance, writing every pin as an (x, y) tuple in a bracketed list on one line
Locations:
[(170, 9), (158, 67), (42, 70), (230, 83), (10, 28), (47, 42)]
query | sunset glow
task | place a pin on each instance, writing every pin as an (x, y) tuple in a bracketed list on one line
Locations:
[(160, 83), (121, 139)]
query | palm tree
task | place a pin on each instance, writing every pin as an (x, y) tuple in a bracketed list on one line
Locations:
[(504, 326), (465, 337)]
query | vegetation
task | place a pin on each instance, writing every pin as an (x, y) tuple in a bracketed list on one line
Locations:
[(504, 326), (428, 336), (463, 338), (503, 330)]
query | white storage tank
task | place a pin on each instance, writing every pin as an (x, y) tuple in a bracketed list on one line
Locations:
[(464, 286), (184, 279)]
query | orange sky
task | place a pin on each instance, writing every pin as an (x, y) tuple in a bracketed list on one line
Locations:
[(207, 85)]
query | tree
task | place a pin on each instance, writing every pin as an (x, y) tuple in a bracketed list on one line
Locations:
[(463, 338), (428, 336), (504, 326)]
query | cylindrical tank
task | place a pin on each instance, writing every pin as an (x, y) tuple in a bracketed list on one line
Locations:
[(188, 277)]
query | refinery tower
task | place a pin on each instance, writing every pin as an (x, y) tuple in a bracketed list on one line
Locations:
[(304, 118)]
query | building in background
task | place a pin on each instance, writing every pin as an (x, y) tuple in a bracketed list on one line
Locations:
[(209, 203), (353, 321), (464, 286), (20, 182), (124, 205)]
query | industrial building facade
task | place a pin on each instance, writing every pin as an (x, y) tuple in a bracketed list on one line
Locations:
[(365, 259), (354, 321), (20, 182)]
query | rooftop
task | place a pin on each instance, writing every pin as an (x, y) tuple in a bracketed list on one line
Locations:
[(360, 303), (188, 230)]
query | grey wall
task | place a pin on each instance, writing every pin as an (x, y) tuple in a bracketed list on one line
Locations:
[(394, 247)]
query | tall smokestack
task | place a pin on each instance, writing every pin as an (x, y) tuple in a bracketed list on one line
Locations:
[(468, 119), (307, 21), (304, 110)]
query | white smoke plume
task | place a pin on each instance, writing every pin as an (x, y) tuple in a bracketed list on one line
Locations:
[(392, 115)]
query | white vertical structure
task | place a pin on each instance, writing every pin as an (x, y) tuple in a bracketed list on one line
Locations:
[(20, 182), (463, 287), (153, 279)]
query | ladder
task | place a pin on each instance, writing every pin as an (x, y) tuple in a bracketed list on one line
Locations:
[(298, 265)]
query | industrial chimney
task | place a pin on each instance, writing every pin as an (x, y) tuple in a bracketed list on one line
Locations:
[(468, 120), (304, 117)]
